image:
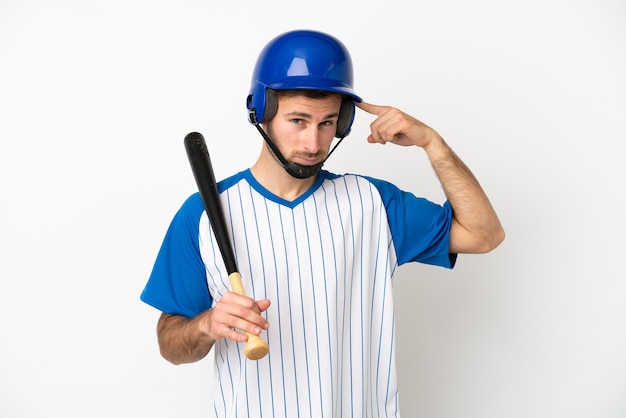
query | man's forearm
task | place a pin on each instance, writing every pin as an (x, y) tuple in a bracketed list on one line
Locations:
[(472, 209), (180, 339)]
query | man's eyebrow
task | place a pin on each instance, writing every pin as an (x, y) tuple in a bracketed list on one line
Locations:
[(308, 116)]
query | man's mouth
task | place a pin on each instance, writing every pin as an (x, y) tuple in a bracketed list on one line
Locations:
[(308, 159)]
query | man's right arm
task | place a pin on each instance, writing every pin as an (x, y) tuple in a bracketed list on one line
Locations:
[(186, 340), (181, 339)]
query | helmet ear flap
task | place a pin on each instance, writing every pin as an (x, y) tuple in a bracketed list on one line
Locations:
[(262, 105), (346, 117)]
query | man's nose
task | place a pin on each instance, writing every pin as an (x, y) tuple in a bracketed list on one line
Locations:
[(311, 139)]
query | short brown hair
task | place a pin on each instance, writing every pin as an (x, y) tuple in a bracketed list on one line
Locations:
[(311, 94)]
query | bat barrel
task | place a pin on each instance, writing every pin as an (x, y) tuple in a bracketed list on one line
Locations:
[(200, 161)]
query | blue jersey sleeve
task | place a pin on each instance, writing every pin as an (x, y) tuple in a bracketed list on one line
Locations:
[(177, 284), (420, 228)]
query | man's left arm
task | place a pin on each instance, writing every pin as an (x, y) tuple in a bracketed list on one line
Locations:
[(475, 224)]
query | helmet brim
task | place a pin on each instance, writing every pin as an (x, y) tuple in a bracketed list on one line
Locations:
[(314, 83)]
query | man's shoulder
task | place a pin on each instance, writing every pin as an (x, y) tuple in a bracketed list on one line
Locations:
[(358, 178), (232, 180)]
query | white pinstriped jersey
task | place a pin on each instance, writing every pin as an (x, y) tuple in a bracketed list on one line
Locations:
[(326, 261)]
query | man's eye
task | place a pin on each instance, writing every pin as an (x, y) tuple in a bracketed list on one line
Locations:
[(296, 121)]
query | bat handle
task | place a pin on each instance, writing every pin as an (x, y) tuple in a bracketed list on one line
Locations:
[(255, 348)]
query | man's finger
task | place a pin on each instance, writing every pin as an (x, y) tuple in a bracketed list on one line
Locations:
[(371, 108)]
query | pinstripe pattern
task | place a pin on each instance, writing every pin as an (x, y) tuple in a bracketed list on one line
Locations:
[(326, 264)]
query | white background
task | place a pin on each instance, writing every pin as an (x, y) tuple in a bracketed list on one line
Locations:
[(97, 96)]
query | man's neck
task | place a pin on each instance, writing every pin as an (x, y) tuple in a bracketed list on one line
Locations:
[(271, 175)]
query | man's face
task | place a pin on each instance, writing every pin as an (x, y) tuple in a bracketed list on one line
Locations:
[(303, 128)]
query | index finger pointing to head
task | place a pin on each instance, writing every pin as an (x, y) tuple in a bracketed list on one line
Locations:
[(371, 108)]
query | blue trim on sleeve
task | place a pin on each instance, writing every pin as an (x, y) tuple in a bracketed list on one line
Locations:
[(178, 284), (419, 227)]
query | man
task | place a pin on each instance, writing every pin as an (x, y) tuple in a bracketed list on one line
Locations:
[(316, 250)]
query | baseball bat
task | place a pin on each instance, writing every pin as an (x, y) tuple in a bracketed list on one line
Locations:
[(200, 162)]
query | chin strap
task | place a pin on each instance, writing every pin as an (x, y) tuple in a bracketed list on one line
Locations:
[(296, 170)]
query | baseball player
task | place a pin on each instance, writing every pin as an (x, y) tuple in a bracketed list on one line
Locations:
[(316, 250)]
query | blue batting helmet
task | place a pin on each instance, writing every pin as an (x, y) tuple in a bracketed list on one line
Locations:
[(302, 60)]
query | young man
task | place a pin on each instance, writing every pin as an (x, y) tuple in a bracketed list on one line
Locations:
[(316, 250)]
